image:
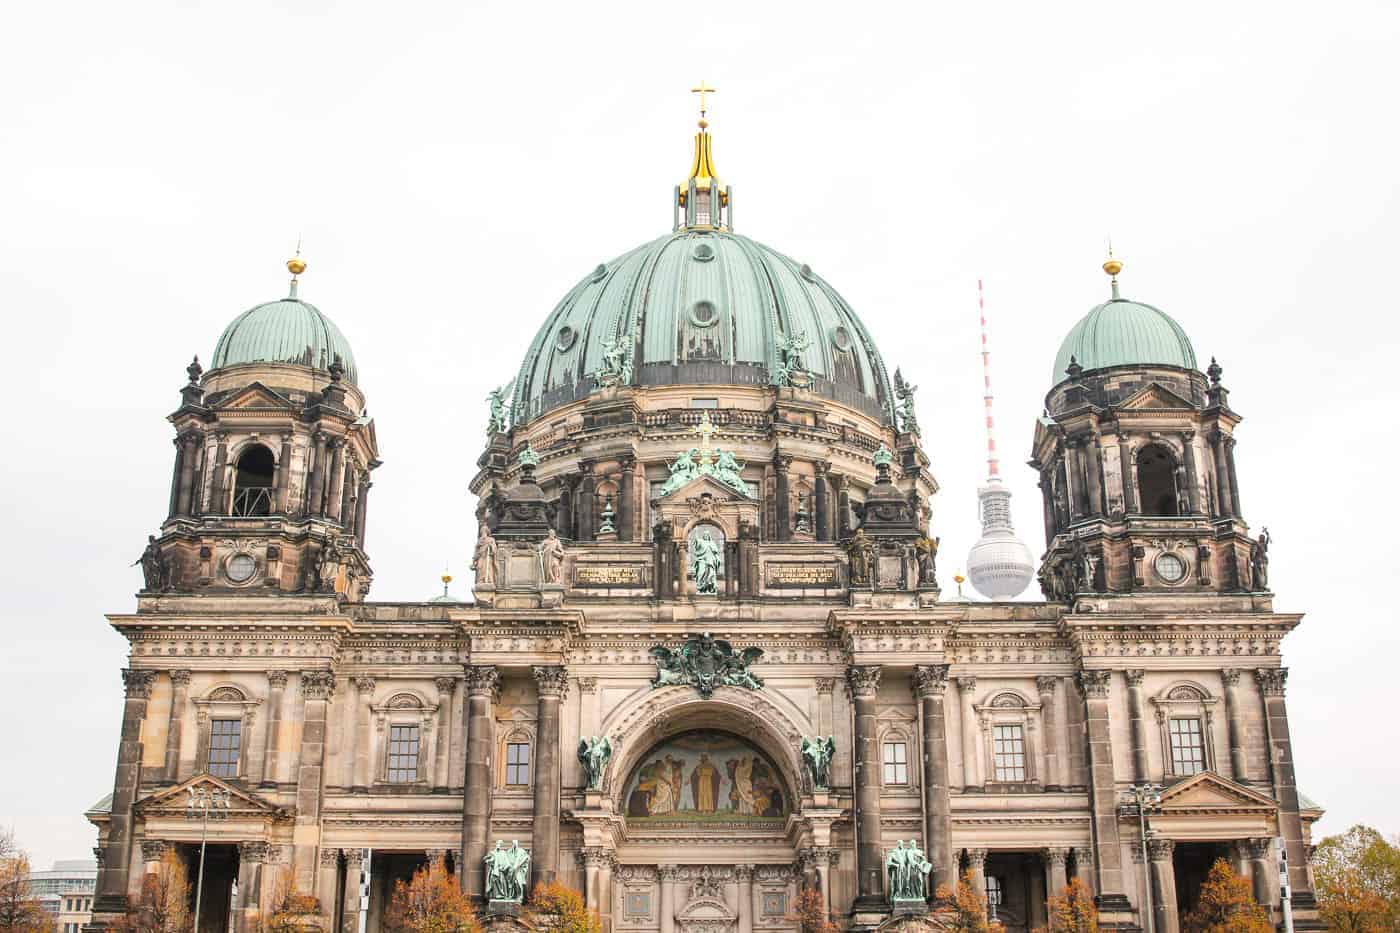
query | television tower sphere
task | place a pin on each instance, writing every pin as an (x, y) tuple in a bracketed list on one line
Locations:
[(999, 564)]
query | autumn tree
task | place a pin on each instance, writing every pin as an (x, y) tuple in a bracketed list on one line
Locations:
[(964, 909), (288, 911), (809, 913), (1226, 905), (20, 909), (563, 909), (431, 902), (1072, 910), (1357, 877), (164, 905)]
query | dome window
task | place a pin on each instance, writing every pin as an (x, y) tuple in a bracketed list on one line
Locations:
[(565, 339), (841, 338), (252, 485), (704, 314), (703, 252), (1156, 473), (600, 272)]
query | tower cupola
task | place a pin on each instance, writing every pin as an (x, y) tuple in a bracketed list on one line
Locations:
[(702, 201)]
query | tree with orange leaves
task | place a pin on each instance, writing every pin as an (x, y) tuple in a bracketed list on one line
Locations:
[(164, 906), (431, 902), (809, 912), (20, 909), (964, 910), (1226, 905), (1358, 881), (1072, 910), (564, 908)]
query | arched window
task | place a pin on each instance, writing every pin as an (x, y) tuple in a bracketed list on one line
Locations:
[(252, 482), (1185, 722), (1156, 471)]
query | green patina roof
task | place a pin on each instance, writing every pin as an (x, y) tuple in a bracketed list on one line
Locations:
[(285, 331), (702, 307), (1124, 333)]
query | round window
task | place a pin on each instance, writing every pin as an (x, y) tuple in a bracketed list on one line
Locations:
[(1170, 567), (704, 314), (565, 339), (807, 273), (841, 338), (599, 273), (240, 568), (703, 252)]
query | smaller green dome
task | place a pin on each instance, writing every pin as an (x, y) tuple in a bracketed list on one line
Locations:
[(285, 331), (1120, 332)]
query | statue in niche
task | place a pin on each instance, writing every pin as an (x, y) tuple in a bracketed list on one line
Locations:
[(484, 560), (594, 753), (552, 557), (707, 563), (816, 755)]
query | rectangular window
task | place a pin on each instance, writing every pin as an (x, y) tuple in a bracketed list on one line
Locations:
[(225, 742), (403, 754), (896, 763), (518, 764), (1188, 746), (1009, 753)]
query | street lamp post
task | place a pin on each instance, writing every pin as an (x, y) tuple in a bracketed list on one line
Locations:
[(1141, 799), (205, 804)]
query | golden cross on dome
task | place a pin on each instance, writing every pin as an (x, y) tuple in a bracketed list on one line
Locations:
[(705, 429), (702, 90)]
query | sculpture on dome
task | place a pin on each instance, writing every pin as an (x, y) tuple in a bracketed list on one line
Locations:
[(706, 662), (816, 755), (905, 393), (594, 752), (617, 362), (791, 372), (500, 409), (707, 561)]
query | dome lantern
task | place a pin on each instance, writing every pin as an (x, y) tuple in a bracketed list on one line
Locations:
[(704, 200)]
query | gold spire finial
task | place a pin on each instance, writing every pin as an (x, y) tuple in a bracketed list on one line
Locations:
[(702, 90), (1112, 266)]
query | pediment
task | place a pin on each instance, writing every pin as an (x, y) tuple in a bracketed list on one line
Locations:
[(706, 907), (256, 396), (177, 799), (1209, 791), (702, 484), (1155, 396)]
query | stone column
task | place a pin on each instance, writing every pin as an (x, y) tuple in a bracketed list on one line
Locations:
[(1052, 735), (252, 770), (247, 913), (667, 874), (1193, 490), (1093, 475), (1103, 793), (317, 688), (152, 851), (823, 506), (783, 506), (336, 480), (583, 512), (626, 509), (175, 728), (327, 874), (1233, 477), (272, 753), (218, 497), (284, 471), (1125, 464), (1074, 471), (1047, 505), (930, 686), (744, 875), (551, 684), (977, 874), (1272, 682), (445, 687), (1056, 877), (483, 683), (1234, 725), (1084, 867), (864, 682), (967, 683), (176, 475), (1159, 854), (112, 881), (1138, 723), (316, 494), (364, 733), (350, 906), (1225, 503), (361, 510)]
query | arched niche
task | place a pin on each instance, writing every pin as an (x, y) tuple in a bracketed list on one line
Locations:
[(706, 777)]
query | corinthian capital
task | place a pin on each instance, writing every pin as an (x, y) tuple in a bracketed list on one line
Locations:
[(552, 681), (930, 680), (1094, 684), (138, 683), (483, 680), (1272, 680), (863, 679), (317, 685)]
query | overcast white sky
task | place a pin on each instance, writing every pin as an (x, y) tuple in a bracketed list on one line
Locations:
[(454, 168)]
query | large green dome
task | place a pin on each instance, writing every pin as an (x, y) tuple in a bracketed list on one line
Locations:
[(702, 307), (1120, 332), (286, 331)]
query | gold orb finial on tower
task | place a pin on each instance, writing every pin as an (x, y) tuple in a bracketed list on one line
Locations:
[(1112, 266), (446, 578), (296, 265)]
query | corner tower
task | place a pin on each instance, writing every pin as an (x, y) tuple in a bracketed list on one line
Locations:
[(1136, 460), (274, 451)]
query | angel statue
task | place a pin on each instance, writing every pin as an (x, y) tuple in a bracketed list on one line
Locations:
[(669, 669), (816, 755), (736, 669), (791, 372), (617, 362), (594, 752), (500, 409), (905, 393)]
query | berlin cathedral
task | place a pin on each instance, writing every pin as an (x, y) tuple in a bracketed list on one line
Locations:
[(707, 665)]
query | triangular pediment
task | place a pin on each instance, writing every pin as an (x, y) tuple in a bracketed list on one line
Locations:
[(1210, 791), (1155, 396), (177, 798), (258, 396), (699, 486)]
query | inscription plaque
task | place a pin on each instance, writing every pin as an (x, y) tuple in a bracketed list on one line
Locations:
[(802, 576), (609, 575)]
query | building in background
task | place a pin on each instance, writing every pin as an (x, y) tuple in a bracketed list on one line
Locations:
[(708, 663), (67, 892)]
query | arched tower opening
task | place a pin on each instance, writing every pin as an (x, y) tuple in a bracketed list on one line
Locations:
[(1156, 472), (253, 481)]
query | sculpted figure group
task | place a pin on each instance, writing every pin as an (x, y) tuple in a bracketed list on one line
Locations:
[(907, 870), (594, 752), (507, 872)]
